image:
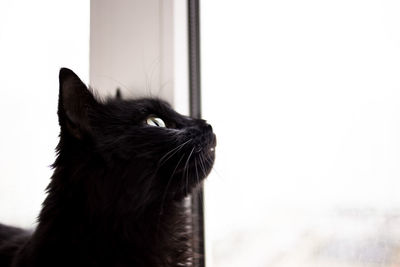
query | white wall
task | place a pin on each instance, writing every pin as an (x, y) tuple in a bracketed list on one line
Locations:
[(37, 38), (134, 47)]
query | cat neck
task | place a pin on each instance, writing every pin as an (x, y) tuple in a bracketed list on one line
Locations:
[(71, 221)]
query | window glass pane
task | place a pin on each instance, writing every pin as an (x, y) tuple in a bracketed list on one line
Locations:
[(304, 97)]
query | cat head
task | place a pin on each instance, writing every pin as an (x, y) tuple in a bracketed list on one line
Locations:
[(134, 151)]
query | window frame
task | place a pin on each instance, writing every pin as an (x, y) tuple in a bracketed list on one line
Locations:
[(196, 200)]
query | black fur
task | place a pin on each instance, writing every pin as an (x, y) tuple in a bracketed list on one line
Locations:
[(116, 197)]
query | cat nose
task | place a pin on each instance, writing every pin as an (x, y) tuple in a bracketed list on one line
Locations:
[(214, 140), (207, 128), (209, 135)]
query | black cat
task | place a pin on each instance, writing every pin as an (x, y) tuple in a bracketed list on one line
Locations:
[(116, 197)]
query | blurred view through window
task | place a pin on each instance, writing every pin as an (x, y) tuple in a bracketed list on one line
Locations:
[(305, 99)]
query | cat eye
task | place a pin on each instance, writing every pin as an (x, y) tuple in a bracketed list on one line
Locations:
[(155, 121)]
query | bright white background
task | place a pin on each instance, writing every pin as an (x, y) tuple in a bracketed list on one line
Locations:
[(305, 99), (37, 38)]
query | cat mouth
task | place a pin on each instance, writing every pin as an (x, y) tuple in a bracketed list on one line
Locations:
[(208, 146), (205, 150), (199, 163)]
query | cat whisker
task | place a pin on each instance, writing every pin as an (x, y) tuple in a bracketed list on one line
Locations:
[(171, 153), (168, 183), (186, 170), (203, 169), (210, 161), (197, 171)]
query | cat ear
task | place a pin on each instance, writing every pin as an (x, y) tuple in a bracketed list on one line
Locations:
[(75, 101), (118, 94)]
